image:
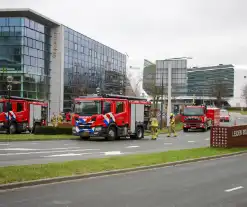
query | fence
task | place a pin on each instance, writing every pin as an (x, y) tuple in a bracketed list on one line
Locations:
[(228, 136)]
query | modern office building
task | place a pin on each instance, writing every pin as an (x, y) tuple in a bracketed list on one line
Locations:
[(208, 81), (154, 73), (178, 76), (54, 62), (149, 77)]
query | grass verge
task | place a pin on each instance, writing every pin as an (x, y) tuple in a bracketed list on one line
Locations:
[(238, 111), (178, 127), (40, 137), (34, 172), (33, 137)]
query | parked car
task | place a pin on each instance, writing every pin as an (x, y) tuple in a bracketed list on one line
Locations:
[(224, 115)]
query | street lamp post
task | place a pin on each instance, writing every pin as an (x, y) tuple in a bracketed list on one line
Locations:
[(9, 88)]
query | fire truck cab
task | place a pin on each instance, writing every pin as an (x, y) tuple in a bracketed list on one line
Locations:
[(109, 116), (21, 114), (199, 117)]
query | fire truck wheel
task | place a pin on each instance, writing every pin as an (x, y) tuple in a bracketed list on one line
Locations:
[(139, 133), (12, 128), (185, 130), (112, 133)]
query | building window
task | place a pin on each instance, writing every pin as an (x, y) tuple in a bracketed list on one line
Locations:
[(75, 46), (90, 52)]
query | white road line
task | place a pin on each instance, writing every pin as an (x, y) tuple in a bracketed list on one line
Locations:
[(47, 152), (28, 149), (133, 146), (68, 155), (4, 144), (233, 189), (191, 141), (207, 139), (166, 143), (113, 153)]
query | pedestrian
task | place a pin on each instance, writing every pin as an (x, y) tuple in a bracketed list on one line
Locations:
[(60, 118), (54, 120), (154, 126), (172, 126)]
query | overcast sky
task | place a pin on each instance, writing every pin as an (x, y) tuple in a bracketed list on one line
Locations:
[(210, 31)]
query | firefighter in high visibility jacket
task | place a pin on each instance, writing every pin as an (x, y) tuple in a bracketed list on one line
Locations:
[(154, 127), (60, 118), (54, 120), (172, 126)]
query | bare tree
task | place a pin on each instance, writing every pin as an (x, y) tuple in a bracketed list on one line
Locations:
[(219, 91), (244, 93)]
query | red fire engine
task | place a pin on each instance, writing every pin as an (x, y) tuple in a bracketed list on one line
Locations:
[(109, 116), (199, 117), (21, 114)]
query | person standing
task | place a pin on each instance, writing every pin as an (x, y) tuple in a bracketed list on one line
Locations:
[(172, 126), (154, 124)]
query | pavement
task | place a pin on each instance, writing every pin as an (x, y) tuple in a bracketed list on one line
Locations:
[(214, 183), (41, 152)]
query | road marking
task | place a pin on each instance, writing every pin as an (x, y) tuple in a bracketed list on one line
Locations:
[(133, 146), (4, 144), (27, 149), (166, 143), (113, 153), (46, 152), (207, 139), (68, 155), (233, 189), (191, 141)]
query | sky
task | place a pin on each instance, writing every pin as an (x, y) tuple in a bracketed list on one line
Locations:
[(212, 32)]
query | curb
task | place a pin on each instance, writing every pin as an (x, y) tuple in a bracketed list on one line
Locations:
[(112, 172)]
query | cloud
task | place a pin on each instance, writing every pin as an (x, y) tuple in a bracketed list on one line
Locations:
[(211, 31)]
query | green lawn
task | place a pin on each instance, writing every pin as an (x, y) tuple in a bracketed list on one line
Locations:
[(34, 172), (32, 137), (238, 111)]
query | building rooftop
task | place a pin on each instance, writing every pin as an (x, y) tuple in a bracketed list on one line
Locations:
[(29, 13), (220, 66)]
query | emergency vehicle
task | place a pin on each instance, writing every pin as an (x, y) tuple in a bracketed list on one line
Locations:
[(110, 116), (200, 117), (21, 114)]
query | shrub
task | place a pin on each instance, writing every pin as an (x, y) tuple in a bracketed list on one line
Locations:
[(50, 130)]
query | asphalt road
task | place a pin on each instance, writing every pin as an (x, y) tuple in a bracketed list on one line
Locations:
[(24, 153), (215, 183)]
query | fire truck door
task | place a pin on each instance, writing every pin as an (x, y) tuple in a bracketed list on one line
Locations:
[(121, 113), (137, 115), (35, 114)]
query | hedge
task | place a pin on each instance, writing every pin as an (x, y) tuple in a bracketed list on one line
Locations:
[(50, 130)]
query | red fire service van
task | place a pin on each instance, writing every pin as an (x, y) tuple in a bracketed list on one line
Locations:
[(21, 114), (199, 117), (109, 116)]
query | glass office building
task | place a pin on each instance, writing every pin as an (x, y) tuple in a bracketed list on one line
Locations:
[(149, 77), (178, 76), (89, 64), (24, 53), (54, 62), (203, 81)]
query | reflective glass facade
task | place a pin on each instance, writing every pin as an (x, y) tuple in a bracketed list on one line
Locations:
[(149, 76), (25, 54), (205, 80), (89, 64), (178, 76)]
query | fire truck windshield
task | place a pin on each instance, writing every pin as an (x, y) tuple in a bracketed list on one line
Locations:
[(87, 108), (193, 111)]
